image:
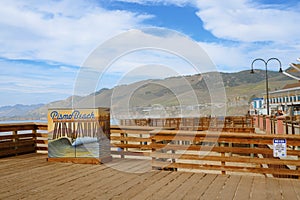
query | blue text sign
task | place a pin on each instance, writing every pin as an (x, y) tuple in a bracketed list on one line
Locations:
[(279, 147)]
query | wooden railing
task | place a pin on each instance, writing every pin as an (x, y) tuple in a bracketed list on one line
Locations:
[(216, 152), (224, 153), (291, 127), (227, 124), (132, 141), (128, 141), (278, 125), (23, 138)]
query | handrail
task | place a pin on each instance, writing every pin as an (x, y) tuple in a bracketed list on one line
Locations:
[(193, 123), (224, 152), (132, 141), (176, 149), (278, 125), (20, 138), (23, 126)]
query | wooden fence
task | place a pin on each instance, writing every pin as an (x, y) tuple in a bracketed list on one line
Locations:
[(23, 138), (208, 151), (278, 125), (132, 141), (129, 141), (291, 127), (224, 153), (228, 123)]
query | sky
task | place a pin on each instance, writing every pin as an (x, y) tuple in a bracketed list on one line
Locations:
[(45, 44)]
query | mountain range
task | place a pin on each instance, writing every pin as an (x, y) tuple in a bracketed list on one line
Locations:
[(167, 94)]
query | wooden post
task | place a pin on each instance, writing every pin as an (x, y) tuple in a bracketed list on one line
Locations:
[(268, 125), (153, 150), (261, 122), (286, 127), (173, 159), (222, 156), (15, 140), (230, 145), (122, 142), (272, 124), (252, 154), (297, 167), (126, 142), (280, 128), (264, 122), (34, 139)]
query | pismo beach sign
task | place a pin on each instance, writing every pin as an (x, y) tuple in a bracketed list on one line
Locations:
[(75, 115), (79, 135)]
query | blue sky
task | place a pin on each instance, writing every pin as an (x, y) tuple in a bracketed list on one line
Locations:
[(44, 43)]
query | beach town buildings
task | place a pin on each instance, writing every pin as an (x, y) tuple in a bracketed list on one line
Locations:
[(257, 107), (286, 99)]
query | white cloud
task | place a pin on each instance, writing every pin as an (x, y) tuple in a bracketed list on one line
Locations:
[(34, 82), (67, 32), (36, 78), (246, 29), (127, 52), (155, 45), (256, 31), (62, 31), (243, 20), (226, 57), (238, 56)]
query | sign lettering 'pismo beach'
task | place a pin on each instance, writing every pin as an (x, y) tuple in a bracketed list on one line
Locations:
[(76, 114), (79, 135)]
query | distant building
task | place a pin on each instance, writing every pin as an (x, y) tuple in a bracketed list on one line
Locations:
[(257, 107), (286, 99)]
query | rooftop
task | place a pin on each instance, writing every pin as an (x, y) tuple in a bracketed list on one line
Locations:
[(292, 85)]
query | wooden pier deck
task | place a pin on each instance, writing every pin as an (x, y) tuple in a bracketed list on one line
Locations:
[(31, 177)]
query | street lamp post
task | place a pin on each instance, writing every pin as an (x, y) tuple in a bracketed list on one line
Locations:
[(267, 84)]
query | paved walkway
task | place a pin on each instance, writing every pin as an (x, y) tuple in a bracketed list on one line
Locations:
[(31, 177)]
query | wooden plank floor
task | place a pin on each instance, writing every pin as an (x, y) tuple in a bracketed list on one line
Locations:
[(31, 177)]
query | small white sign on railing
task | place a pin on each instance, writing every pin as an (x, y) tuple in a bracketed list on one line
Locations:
[(279, 147)]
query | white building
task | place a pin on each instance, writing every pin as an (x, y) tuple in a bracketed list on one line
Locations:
[(258, 106), (286, 99)]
